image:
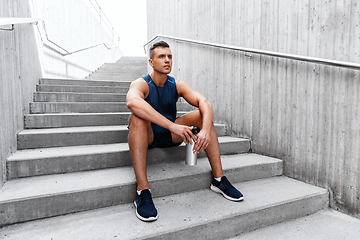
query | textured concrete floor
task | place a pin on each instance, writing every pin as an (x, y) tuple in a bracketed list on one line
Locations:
[(327, 224)]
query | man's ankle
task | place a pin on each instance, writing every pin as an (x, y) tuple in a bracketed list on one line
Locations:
[(139, 191), (142, 187)]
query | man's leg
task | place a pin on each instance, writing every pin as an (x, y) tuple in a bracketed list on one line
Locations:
[(212, 151), (220, 183), (140, 136)]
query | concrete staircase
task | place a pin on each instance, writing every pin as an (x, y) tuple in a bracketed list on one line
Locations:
[(71, 177)]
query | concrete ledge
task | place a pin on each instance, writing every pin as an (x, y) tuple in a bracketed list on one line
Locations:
[(200, 214), (82, 82), (326, 224), (39, 197), (78, 97), (39, 121), (78, 136), (44, 161), (73, 136), (75, 120), (88, 89), (115, 78), (134, 74), (74, 107), (88, 107)]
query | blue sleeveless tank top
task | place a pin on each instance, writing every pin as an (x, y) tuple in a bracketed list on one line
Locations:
[(162, 99)]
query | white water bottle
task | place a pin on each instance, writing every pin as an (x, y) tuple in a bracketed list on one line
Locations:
[(191, 158)]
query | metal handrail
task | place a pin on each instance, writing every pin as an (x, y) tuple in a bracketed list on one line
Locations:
[(66, 51), (263, 52), (102, 16), (14, 21)]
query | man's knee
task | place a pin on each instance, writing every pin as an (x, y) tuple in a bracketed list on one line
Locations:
[(137, 123), (140, 126), (193, 118)]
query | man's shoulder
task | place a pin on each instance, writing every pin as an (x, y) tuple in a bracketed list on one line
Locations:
[(139, 84), (140, 80), (179, 82)]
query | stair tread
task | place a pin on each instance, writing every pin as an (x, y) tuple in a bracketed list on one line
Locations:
[(82, 129), (29, 154), (83, 114), (180, 212), (64, 183), (79, 82), (74, 129), (82, 86), (81, 103), (82, 93), (326, 224), (76, 114), (78, 88)]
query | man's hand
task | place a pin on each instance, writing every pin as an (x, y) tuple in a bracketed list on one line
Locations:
[(202, 142), (184, 132)]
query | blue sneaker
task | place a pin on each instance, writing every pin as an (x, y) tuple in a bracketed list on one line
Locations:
[(225, 188), (145, 208)]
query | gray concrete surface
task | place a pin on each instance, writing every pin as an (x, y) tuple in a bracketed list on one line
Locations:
[(43, 161), (324, 225), (82, 82), (200, 214), (74, 88), (88, 107), (78, 97), (46, 196)]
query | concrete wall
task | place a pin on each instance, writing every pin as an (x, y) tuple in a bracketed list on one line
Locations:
[(306, 114), (20, 70), (24, 59)]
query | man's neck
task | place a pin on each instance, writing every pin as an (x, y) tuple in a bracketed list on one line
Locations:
[(158, 78)]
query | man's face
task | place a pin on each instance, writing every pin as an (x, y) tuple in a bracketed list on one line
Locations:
[(162, 60)]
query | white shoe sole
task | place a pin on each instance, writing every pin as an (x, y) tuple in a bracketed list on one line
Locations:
[(150, 219), (217, 190)]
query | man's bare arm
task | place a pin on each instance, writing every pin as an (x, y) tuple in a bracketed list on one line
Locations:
[(198, 100)]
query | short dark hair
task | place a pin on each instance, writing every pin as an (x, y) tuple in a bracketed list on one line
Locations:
[(158, 44)]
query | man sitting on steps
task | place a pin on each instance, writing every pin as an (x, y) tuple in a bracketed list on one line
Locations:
[(153, 123)]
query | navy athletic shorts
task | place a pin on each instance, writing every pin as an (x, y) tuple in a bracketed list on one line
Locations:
[(163, 140)]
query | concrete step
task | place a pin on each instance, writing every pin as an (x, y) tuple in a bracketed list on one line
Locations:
[(128, 70), (87, 107), (78, 97), (77, 107), (325, 224), (199, 214), (73, 136), (122, 65), (82, 82), (143, 62), (46, 196), (115, 77), (120, 74), (131, 59), (84, 89), (44, 161), (58, 120), (123, 69)]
